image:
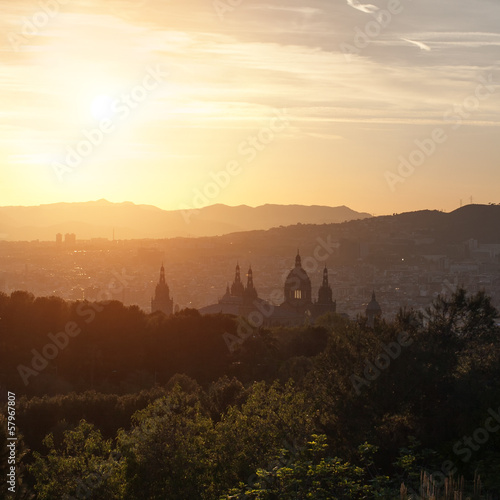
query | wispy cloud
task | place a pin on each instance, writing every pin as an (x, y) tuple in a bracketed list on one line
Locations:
[(420, 45), (307, 11), (366, 8)]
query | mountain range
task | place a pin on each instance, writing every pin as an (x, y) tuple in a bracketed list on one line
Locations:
[(102, 219)]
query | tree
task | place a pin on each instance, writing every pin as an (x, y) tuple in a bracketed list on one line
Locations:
[(305, 474), (272, 418), (169, 451), (84, 465)]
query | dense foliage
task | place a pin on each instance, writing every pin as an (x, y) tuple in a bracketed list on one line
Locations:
[(146, 407)]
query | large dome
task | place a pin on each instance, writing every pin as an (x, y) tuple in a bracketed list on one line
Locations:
[(298, 285)]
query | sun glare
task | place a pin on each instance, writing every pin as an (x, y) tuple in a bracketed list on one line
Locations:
[(100, 107)]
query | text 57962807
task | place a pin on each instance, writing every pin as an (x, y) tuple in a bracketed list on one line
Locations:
[(11, 442)]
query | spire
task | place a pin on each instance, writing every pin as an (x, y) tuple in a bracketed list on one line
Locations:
[(325, 294), (298, 260), (373, 310), (162, 300), (250, 278), (237, 287), (250, 291)]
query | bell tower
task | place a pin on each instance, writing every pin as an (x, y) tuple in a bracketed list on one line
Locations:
[(237, 288), (162, 301), (250, 291)]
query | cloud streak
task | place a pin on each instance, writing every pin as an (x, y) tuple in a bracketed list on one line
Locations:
[(366, 8), (420, 45)]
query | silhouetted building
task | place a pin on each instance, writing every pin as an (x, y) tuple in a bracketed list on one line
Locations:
[(70, 238), (373, 311), (250, 293), (162, 301), (298, 288), (296, 309), (238, 299), (325, 301), (237, 288), (59, 239)]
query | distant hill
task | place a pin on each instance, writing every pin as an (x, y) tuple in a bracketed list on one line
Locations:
[(98, 219), (425, 231), (479, 222)]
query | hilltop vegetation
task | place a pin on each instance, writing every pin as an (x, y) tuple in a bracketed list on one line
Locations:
[(146, 407)]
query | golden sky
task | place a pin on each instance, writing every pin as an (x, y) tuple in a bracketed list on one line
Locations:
[(385, 107)]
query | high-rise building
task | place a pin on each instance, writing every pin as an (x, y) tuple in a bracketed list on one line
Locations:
[(70, 239)]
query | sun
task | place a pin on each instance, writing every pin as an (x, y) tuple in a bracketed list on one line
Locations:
[(101, 107)]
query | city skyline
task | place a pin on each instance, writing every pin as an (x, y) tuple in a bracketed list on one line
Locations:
[(384, 107)]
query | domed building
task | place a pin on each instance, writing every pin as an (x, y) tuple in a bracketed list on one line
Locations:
[(298, 288), (296, 309), (298, 306), (373, 311)]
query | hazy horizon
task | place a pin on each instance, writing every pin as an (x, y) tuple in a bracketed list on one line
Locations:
[(124, 202)]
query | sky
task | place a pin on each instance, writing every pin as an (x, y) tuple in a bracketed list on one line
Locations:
[(387, 106)]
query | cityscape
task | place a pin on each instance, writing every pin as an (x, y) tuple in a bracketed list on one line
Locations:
[(249, 250), (407, 267)]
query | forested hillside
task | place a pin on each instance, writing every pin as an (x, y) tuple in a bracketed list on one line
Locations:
[(138, 406)]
